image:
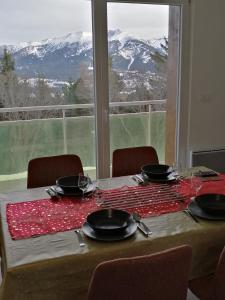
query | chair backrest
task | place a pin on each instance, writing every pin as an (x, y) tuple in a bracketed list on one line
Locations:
[(128, 161), (211, 287), (151, 277), (218, 289), (44, 171)]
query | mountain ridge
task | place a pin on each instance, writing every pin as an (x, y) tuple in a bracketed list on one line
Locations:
[(60, 58)]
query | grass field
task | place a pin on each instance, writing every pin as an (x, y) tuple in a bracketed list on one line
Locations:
[(24, 140)]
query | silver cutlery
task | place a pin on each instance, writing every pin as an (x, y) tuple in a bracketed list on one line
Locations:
[(80, 184), (52, 193), (49, 192), (141, 225), (138, 179), (79, 237), (53, 190), (83, 187), (190, 214)]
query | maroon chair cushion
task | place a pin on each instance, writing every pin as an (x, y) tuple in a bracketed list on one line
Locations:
[(44, 171), (128, 161), (202, 287), (211, 287), (159, 276), (219, 279)]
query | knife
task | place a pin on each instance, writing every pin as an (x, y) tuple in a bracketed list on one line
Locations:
[(141, 225), (143, 231), (189, 213), (79, 237)]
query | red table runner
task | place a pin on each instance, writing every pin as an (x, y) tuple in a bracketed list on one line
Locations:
[(43, 216)]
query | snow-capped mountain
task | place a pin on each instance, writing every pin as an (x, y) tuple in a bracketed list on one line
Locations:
[(61, 57)]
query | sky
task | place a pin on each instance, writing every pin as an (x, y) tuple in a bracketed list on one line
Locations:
[(35, 20)]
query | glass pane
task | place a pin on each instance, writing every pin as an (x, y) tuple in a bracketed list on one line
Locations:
[(46, 70), (138, 43)]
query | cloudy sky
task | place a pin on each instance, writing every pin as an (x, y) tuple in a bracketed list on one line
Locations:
[(34, 20)]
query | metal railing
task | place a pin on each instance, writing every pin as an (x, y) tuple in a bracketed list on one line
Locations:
[(76, 106), (65, 108)]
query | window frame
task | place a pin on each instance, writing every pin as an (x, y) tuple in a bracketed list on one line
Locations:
[(100, 48)]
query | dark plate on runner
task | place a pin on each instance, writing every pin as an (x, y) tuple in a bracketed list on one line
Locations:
[(109, 221), (91, 233), (74, 193), (74, 183), (166, 179), (157, 171)]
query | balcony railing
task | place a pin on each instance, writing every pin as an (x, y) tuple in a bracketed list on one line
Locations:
[(75, 106), (65, 108), (22, 139)]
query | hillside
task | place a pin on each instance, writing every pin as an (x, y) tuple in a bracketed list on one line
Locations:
[(60, 58)]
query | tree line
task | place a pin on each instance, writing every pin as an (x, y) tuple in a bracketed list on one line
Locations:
[(19, 92)]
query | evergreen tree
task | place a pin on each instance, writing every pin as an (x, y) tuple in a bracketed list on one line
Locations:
[(7, 63), (81, 90), (116, 84), (158, 81), (69, 92), (8, 80)]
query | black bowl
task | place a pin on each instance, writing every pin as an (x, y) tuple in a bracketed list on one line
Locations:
[(73, 183), (109, 221), (157, 171), (211, 203)]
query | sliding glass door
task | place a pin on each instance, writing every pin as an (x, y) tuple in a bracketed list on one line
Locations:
[(137, 58)]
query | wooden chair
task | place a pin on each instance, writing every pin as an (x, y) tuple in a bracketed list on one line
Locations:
[(44, 171), (128, 161), (157, 277), (211, 287)]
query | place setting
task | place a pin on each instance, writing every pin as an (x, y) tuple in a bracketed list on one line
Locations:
[(209, 197), (208, 206), (156, 173), (72, 186), (110, 225)]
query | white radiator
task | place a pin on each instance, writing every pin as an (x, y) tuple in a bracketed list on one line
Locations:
[(213, 159)]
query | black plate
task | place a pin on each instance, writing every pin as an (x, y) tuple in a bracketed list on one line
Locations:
[(89, 189), (211, 203), (129, 231), (197, 211), (169, 178), (109, 221), (156, 171), (73, 183)]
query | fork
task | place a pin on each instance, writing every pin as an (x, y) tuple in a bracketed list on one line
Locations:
[(79, 237)]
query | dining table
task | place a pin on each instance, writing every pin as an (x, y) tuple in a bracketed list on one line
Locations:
[(54, 265)]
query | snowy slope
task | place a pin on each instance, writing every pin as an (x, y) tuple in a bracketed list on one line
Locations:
[(60, 57)]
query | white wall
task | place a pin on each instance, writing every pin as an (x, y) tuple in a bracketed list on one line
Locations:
[(207, 76)]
